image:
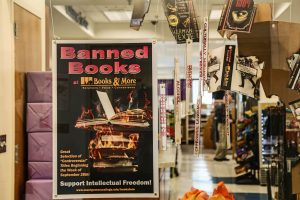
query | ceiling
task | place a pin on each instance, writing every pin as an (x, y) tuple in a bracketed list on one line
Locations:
[(154, 25)]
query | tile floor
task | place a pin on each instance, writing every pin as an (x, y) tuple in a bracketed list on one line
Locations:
[(204, 173)]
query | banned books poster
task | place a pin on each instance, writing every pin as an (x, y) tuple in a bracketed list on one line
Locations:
[(104, 141)]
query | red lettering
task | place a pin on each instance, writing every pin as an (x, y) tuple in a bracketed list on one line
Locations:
[(106, 69), (113, 51), (127, 54), (134, 69), (75, 68), (100, 52), (67, 53), (91, 69), (142, 53), (83, 54), (120, 68)]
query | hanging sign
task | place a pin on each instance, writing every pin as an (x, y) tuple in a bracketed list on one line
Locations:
[(227, 119), (237, 16), (205, 48), (105, 120), (182, 20), (188, 74), (201, 75), (163, 117), (197, 126), (177, 100)]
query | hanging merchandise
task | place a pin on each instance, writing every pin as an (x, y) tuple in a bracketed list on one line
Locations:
[(205, 48), (220, 68), (163, 117), (197, 126), (182, 20), (294, 65), (249, 72), (227, 71), (237, 16), (105, 120), (140, 9), (177, 100)]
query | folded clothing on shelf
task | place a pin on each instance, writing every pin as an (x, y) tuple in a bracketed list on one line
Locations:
[(39, 87), (39, 170), (39, 117), (40, 147)]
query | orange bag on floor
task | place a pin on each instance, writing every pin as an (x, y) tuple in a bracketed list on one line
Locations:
[(221, 191)]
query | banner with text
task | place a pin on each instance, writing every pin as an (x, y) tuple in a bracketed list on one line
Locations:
[(105, 120)]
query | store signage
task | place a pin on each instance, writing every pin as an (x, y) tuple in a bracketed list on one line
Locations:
[(201, 77), (177, 100), (188, 74), (237, 16), (182, 20), (140, 9), (163, 117), (227, 120), (197, 126), (76, 16), (228, 67), (105, 120), (205, 47)]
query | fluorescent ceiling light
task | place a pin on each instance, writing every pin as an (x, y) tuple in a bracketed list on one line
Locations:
[(118, 15), (215, 14)]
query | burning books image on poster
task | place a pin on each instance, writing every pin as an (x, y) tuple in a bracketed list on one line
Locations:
[(237, 15), (247, 76), (295, 107), (112, 147), (220, 67), (134, 117), (294, 65)]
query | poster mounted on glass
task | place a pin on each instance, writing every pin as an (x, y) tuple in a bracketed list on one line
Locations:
[(105, 120)]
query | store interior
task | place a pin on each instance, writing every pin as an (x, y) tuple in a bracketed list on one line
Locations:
[(260, 128)]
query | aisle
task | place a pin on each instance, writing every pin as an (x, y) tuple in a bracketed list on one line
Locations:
[(204, 173)]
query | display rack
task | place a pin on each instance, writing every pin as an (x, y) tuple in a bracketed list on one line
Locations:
[(264, 142)]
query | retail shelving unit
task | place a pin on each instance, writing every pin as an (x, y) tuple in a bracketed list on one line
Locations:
[(264, 142)]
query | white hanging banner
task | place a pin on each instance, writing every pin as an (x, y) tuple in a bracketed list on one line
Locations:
[(188, 74), (197, 126), (188, 85), (205, 47), (227, 119), (163, 116), (201, 78), (177, 100)]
